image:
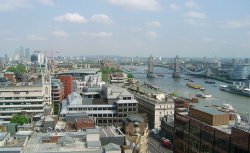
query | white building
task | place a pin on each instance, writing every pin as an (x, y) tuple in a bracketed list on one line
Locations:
[(154, 103), (40, 58), (115, 104), (94, 80), (21, 99)]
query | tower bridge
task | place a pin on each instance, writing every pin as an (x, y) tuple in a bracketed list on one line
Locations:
[(178, 69)]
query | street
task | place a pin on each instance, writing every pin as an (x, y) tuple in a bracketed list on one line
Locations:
[(154, 145)]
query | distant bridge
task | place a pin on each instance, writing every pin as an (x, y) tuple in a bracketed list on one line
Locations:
[(189, 72)]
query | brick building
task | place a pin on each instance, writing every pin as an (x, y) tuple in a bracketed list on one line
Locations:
[(67, 83)]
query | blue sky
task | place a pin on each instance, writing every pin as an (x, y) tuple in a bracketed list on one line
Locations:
[(190, 28)]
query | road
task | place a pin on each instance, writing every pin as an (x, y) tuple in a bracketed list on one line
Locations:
[(154, 145)]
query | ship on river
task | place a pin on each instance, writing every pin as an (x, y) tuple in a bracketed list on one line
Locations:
[(195, 86), (240, 88)]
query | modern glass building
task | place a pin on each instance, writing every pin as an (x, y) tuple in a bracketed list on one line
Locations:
[(240, 72)]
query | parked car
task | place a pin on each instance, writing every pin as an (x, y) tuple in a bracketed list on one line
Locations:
[(166, 142)]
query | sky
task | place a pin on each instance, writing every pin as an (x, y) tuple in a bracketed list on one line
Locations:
[(189, 28)]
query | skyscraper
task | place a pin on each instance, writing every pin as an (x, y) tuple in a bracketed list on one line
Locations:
[(27, 54)]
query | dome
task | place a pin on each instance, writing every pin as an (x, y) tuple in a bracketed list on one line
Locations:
[(240, 72)]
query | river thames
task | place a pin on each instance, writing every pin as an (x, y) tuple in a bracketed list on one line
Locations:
[(178, 86)]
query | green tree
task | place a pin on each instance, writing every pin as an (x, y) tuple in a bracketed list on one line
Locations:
[(130, 75), (21, 68), (11, 69), (19, 119)]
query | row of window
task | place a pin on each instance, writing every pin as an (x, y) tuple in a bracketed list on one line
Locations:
[(127, 104), (126, 98), (168, 106), (19, 98), (23, 109), (90, 109), (108, 121), (22, 103), (126, 110)]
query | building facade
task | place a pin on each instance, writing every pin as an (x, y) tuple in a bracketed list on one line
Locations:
[(67, 83), (211, 131), (29, 100), (114, 105), (154, 103), (240, 72)]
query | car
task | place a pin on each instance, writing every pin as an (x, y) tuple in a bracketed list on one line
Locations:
[(166, 142)]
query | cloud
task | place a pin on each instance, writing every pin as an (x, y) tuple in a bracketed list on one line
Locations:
[(12, 5), (145, 5), (207, 39), (101, 18), (36, 37), (11, 39), (151, 34), (101, 35), (135, 29), (60, 33), (174, 7), (71, 17), (47, 2), (195, 15), (191, 5), (236, 24), (8, 32), (155, 24)]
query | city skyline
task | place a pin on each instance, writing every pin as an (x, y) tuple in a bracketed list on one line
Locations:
[(127, 27)]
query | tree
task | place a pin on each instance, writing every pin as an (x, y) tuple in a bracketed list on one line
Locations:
[(21, 68), (19, 119), (11, 69), (130, 75)]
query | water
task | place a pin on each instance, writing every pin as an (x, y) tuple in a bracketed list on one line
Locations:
[(178, 86)]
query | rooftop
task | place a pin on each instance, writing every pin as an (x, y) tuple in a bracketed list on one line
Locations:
[(87, 70), (208, 110)]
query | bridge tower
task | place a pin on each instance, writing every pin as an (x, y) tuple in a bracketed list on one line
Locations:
[(177, 67), (150, 73)]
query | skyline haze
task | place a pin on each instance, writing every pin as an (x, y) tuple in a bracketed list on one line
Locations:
[(189, 28)]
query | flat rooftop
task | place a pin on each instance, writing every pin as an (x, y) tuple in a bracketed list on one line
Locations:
[(145, 89), (109, 132), (87, 70), (208, 110)]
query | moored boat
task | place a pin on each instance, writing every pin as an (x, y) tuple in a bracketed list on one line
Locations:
[(202, 95), (194, 86), (209, 81), (237, 88)]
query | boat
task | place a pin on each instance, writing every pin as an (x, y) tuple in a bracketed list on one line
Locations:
[(190, 80), (194, 86), (160, 75), (202, 89), (209, 81), (239, 88), (202, 95), (206, 96)]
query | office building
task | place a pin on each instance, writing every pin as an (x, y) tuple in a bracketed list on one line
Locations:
[(115, 104), (67, 83), (209, 129)]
